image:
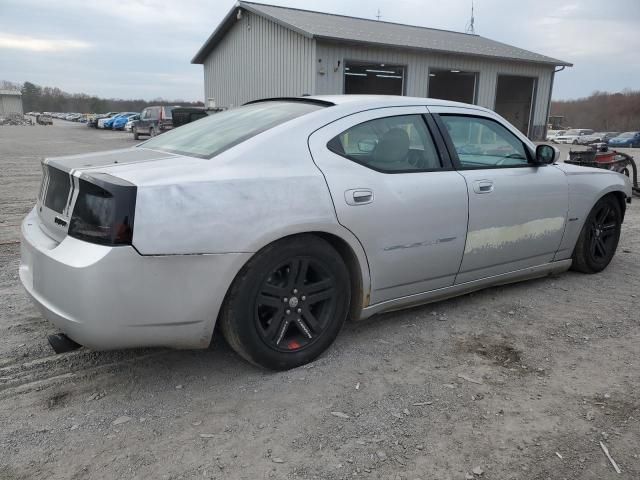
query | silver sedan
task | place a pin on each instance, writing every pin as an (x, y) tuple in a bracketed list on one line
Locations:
[(281, 218)]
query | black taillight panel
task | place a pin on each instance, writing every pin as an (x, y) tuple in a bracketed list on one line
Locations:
[(104, 210)]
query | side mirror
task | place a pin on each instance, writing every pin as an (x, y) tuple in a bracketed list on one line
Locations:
[(546, 154)]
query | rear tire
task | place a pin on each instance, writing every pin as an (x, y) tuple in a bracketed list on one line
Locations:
[(287, 305), (599, 237)]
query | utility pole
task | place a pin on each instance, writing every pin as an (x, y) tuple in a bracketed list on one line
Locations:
[(378, 16)]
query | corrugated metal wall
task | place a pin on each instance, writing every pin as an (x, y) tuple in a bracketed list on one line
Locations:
[(258, 59), (417, 72), (10, 104)]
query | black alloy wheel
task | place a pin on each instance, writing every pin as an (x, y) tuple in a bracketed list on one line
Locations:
[(602, 232), (599, 238), (288, 303), (295, 304)]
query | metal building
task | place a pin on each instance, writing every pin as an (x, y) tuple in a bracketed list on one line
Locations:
[(10, 101), (263, 51)]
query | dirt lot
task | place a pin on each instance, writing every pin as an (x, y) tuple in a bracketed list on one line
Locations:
[(517, 382)]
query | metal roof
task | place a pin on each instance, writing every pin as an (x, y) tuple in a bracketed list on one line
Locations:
[(11, 92), (342, 28)]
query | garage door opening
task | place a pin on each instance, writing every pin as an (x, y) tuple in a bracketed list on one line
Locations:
[(514, 99), (454, 85), (373, 78)]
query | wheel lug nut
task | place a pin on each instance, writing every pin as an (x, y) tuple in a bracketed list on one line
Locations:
[(295, 290), (288, 312), (303, 298), (285, 299), (299, 310)]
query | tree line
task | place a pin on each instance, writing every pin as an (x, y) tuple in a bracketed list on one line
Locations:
[(616, 112), (36, 98)]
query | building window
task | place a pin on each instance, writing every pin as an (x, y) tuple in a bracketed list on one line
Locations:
[(374, 78), (452, 84)]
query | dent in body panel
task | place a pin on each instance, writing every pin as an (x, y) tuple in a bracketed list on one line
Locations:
[(495, 238)]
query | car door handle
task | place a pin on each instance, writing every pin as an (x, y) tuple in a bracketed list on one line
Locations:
[(358, 196), (483, 186)]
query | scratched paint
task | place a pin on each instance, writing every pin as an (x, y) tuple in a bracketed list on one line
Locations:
[(498, 237), (419, 244)]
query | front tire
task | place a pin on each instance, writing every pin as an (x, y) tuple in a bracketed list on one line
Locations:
[(136, 136), (287, 305), (599, 237)]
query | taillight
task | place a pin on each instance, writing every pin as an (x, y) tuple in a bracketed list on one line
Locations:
[(104, 210)]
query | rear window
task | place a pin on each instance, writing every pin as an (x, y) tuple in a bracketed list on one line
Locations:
[(167, 112), (221, 131)]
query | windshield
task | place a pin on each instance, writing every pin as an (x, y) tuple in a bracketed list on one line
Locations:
[(216, 133), (627, 134)]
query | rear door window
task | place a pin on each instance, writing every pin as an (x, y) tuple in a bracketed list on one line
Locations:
[(167, 112), (389, 144)]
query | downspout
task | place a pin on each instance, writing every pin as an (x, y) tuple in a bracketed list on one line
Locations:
[(553, 76)]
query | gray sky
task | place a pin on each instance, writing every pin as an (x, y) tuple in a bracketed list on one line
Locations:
[(143, 48)]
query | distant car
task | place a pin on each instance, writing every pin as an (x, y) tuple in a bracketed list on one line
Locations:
[(42, 119), (108, 123), (552, 134), (119, 121), (571, 136), (598, 137), (154, 121), (184, 115), (626, 139), (102, 121), (93, 121), (280, 218), (131, 122)]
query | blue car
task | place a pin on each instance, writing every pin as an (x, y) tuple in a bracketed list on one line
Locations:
[(109, 123), (120, 121), (626, 139)]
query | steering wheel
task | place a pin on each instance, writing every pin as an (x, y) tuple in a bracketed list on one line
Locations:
[(416, 159), (468, 149), (512, 155)]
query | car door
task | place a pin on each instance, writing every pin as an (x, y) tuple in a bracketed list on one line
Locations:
[(143, 125), (397, 192), (517, 210)]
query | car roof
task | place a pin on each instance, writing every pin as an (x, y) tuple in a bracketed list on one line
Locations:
[(377, 101)]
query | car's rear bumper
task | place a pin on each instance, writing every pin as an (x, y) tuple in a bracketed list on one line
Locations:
[(112, 297)]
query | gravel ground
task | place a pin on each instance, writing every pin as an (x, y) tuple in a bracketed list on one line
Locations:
[(515, 382)]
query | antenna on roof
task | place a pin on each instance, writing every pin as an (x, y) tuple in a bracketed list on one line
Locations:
[(378, 15), (470, 27)]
